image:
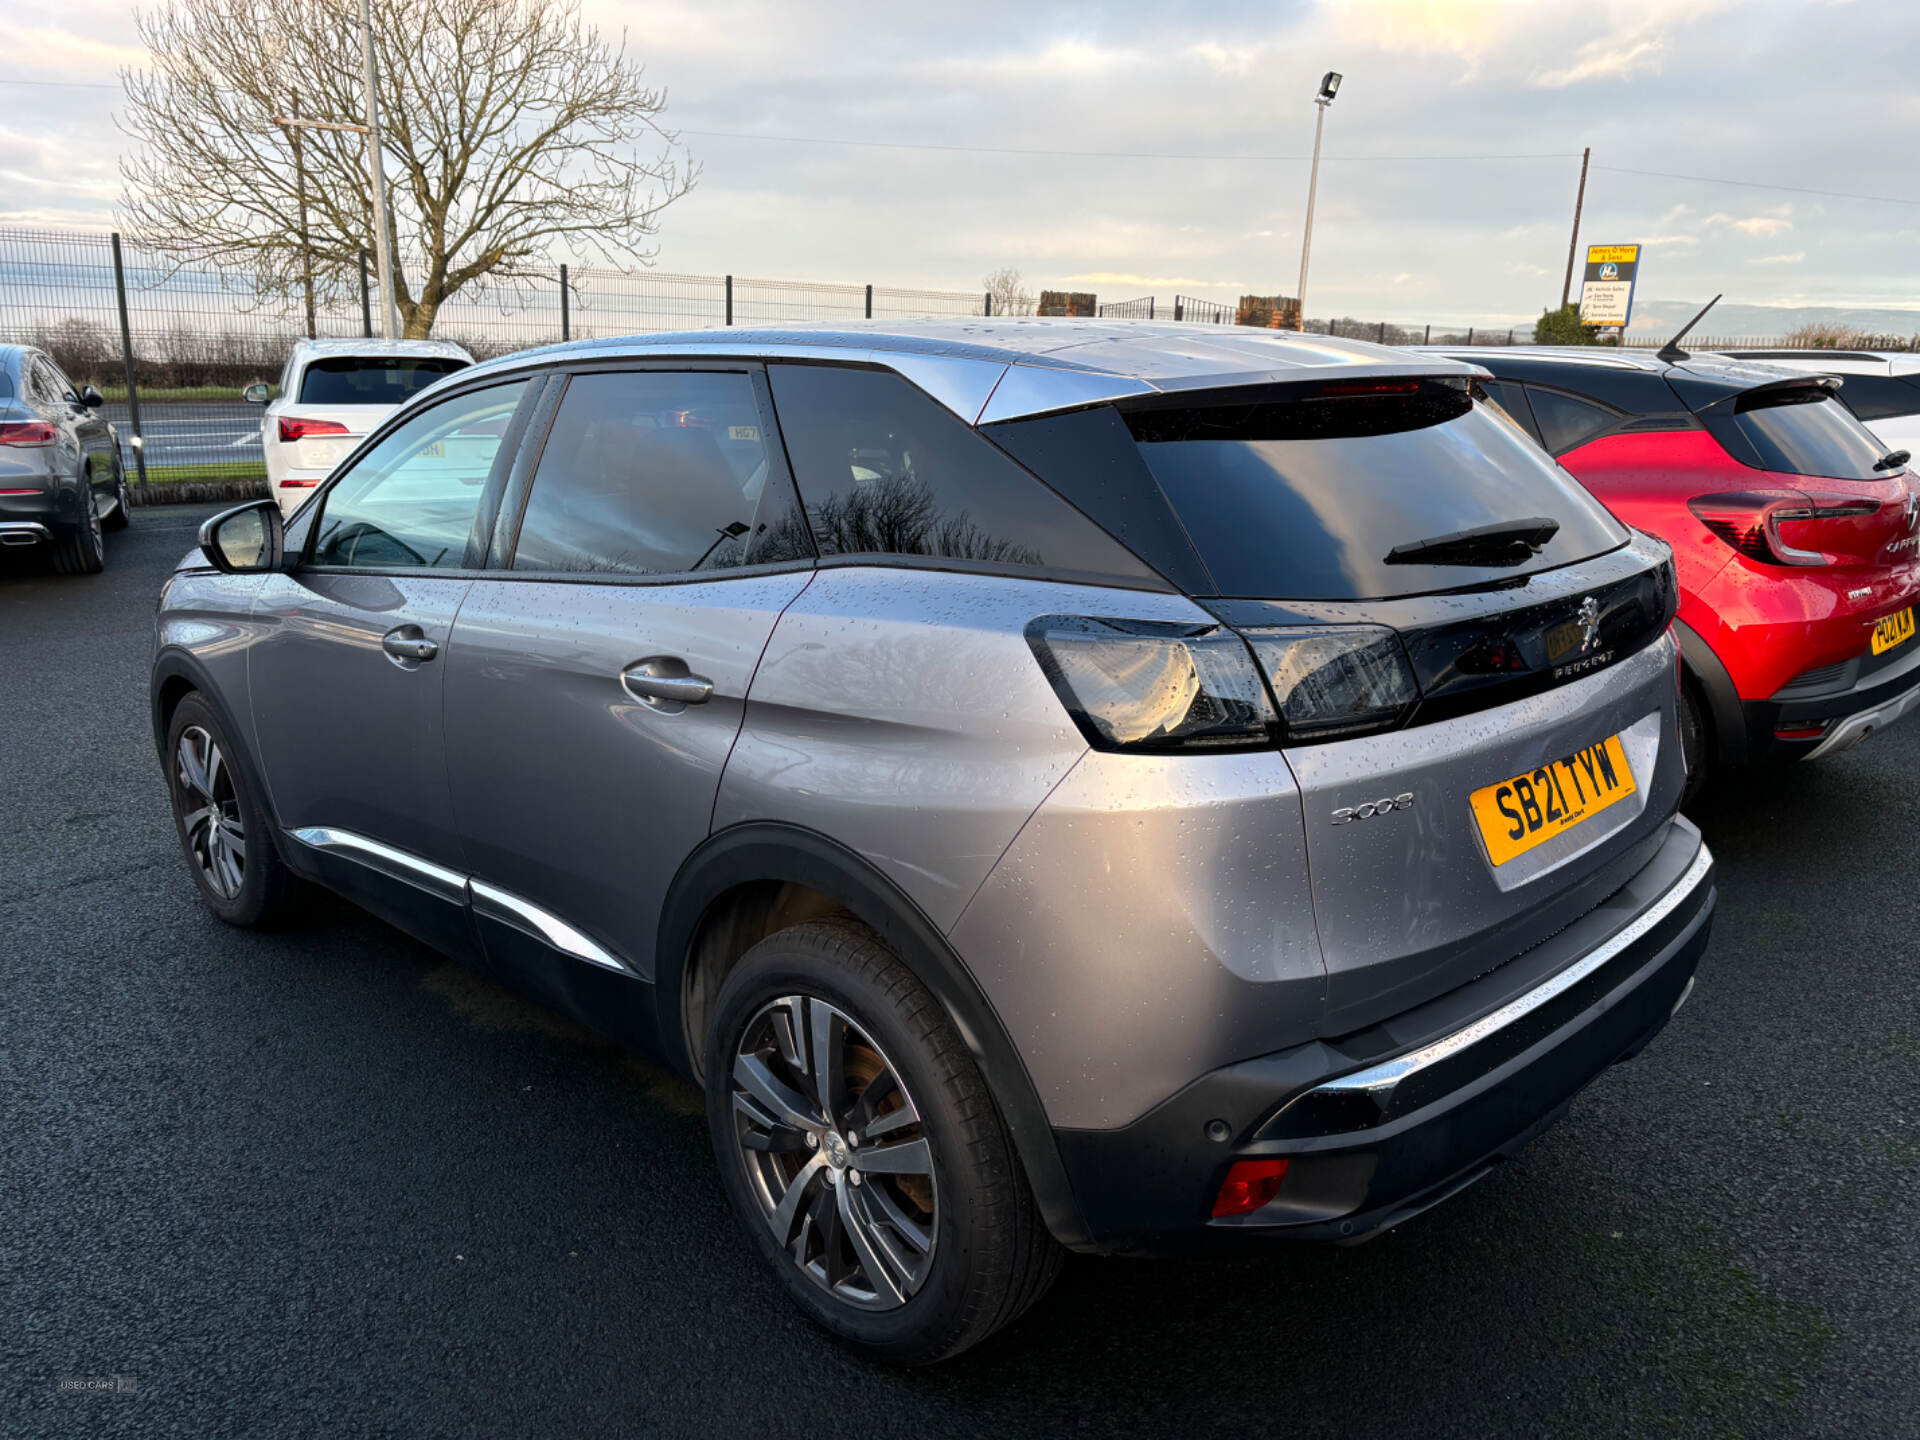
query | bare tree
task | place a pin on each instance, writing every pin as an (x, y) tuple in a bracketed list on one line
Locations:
[(510, 127), (1009, 291)]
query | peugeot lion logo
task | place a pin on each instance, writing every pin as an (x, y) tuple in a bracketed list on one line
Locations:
[(1589, 623)]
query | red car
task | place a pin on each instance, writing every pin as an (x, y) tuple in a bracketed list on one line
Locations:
[(1796, 535)]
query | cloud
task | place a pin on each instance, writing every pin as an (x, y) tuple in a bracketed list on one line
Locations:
[(1794, 259), (1605, 60), (1170, 282)]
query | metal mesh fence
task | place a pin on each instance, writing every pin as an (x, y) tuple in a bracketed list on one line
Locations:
[(1128, 309)]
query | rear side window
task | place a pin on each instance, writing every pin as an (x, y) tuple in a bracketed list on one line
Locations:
[(1879, 397), (1565, 421), (655, 473), (884, 469), (1797, 431), (372, 379), (1306, 498)]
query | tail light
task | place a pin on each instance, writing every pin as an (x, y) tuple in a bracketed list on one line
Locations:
[(1337, 680), (28, 432), (1152, 686), (1782, 527), (292, 428)]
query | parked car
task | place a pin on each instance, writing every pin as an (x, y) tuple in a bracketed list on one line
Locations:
[(1053, 783), (1881, 388), (61, 481), (1794, 528), (331, 395)]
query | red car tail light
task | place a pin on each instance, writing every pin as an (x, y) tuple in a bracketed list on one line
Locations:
[(1783, 527), (28, 432), (292, 428), (1249, 1185)]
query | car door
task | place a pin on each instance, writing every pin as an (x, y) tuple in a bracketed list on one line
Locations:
[(349, 653), (48, 393), (598, 676)]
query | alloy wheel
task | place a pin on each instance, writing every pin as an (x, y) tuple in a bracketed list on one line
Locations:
[(210, 812), (835, 1152)]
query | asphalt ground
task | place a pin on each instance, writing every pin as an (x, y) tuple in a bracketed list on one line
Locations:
[(324, 1182)]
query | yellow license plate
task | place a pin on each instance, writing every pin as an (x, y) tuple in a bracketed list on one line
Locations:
[(1531, 809), (1892, 631)]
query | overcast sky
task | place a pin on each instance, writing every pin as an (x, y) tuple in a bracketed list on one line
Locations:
[(1809, 95)]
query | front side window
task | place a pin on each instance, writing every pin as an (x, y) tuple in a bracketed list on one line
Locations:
[(410, 501), (372, 379), (884, 469), (656, 473)]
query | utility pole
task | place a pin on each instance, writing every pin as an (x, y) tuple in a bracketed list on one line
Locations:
[(300, 189), (1573, 245), (382, 236), (1329, 86)]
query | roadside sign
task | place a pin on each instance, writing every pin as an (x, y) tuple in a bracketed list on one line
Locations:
[(1606, 295)]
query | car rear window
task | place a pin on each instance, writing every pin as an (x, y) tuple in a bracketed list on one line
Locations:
[(1879, 397), (1303, 496), (372, 379), (1797, 431)]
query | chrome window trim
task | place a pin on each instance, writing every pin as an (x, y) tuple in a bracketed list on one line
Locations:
[(1379, 1081)]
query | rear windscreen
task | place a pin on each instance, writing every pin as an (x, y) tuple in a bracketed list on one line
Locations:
[(1307, 498), (372, 379), (1796, 431)]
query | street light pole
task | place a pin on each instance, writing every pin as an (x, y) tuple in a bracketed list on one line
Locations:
[(382, 246), (1329, 87)]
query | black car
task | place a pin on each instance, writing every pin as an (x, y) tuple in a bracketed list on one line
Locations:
[(61, 478)]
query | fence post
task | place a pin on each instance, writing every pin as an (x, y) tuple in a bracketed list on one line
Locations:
[(869, 302), (126, 360), (1383, 333), (729, 299), (1176, 307), (986, 305), (1150, 307), (566, 318), (1429, 339), (1469, 334), (1509, 335), (366, 300)]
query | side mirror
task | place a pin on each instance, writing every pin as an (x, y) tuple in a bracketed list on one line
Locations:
[(245, 540), (91, 398), (257, 393)]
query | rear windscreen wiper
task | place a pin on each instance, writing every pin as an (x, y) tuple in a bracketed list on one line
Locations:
[(1893, 460), (1507, 543)]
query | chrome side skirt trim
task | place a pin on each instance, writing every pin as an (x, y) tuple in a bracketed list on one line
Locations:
[(464, 891), (1379, 1080), (510, 909), (401, 864)]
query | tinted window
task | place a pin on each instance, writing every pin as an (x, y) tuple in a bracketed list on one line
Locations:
[(1801, 432), (46, 386), (371, 379), (654, 473), (1304, 498), (1564, 421), (1510, 402), (410, 501), (1879, 397), (884, 469)]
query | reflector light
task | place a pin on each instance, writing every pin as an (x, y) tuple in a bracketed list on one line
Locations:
[(35, 491), (1249, 1185), (1801, 732), (298, 484), (27, 432), (292, 428)]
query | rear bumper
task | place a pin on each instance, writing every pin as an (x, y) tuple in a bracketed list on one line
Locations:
[(1379, 1126), (23, 532), (1838, 720)]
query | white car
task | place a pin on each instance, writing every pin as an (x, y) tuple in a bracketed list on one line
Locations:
[(1881, 387), (332, 394)]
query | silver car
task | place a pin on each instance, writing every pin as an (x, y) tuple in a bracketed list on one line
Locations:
[(1055, 785), (61, 479)]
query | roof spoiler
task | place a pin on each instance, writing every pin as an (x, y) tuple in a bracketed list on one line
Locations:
[(1671, 351)]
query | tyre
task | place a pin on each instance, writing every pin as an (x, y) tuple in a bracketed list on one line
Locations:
[(1696, 741), (862, 1151), (81, 550), (122, 514), (223, 829)]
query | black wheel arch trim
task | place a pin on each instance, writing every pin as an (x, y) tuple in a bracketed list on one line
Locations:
[(761, 851), (1723, 699), (172, 665)]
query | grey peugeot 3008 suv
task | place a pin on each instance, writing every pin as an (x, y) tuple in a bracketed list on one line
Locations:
[(1121, 788)]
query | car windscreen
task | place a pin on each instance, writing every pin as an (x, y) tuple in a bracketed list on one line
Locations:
[(372, 379), (1797, 430), (1341, 492)]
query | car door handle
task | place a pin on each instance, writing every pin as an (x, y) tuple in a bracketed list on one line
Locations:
[(409, 642), (664, 680)]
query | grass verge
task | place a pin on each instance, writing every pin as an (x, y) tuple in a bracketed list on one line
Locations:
[(219, 473)]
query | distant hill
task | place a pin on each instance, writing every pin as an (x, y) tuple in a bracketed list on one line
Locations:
[(1663, 317)]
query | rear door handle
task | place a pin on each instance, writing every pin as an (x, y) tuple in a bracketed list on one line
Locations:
[(665, 683), (409, 642)]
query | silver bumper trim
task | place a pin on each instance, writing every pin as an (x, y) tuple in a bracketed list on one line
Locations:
[(1379, 1080), (23, 532), (1857, 727)]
